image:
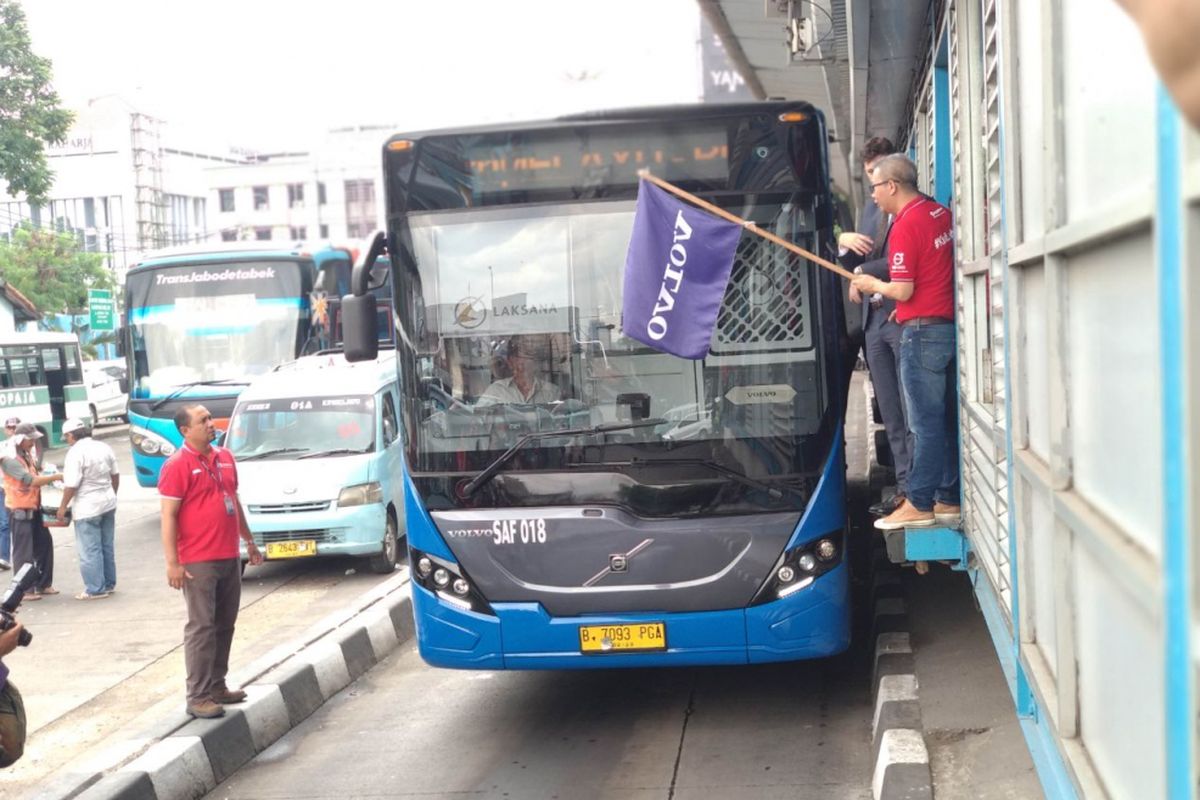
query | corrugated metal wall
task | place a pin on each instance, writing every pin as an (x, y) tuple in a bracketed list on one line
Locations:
[(1053, 133)]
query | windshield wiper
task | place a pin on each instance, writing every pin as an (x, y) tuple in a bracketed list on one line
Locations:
[(181, 388), (337, 451), (491, 469), (738, 477), (277, 451)]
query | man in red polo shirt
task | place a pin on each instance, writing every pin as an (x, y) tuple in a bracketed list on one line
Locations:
[(201, 522), (921, 266)]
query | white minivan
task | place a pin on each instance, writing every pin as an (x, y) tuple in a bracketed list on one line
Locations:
[(319, 453)]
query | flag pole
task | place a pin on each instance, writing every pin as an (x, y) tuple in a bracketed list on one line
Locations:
[(745, 223)]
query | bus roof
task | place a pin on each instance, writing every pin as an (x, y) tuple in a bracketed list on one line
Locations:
[(38, 337), (625, 115), (222, 251), (341, 377)]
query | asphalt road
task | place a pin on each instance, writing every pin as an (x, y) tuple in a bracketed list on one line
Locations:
[(98, 668), (405, 730)]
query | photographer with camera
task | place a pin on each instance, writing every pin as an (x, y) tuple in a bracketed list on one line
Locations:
[(12, 709), (23, 482), (12, 635)]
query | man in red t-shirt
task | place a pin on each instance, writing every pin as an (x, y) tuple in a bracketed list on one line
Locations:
[(921, 266), (201, 521)]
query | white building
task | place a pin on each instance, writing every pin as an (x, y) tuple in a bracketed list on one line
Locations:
[(125, 183), (329, 193)]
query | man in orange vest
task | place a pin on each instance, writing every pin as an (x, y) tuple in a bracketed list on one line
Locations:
[(23, 482)]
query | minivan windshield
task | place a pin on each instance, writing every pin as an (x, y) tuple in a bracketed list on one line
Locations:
[(298, 427)]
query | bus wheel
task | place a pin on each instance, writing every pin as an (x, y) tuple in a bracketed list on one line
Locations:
[(385, 562), (95, 419)]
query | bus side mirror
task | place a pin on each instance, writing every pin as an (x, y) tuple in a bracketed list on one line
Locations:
[(360, 337), (364, 270), (328, 280), (121, 334)]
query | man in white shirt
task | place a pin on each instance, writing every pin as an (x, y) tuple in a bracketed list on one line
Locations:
[(90, 481), (524, 386)]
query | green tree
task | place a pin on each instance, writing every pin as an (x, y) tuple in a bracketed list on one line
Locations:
[(30, 115), (52, 270)]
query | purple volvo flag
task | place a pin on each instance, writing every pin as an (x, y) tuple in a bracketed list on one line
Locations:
[(675, 273)]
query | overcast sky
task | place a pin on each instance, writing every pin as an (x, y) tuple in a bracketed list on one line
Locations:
[(271, 74)]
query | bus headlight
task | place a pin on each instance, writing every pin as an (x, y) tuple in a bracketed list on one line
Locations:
[(826, 549), (799, 567), (362, 494), (148, 443), (448, 581)]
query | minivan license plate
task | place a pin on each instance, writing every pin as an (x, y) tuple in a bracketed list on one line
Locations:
[(306, 547), (622, 638)]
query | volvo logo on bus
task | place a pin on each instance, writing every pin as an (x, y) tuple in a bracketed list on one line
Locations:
[(618, 562)]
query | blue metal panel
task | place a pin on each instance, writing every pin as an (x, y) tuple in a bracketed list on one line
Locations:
[(943, 178), (935, 544), (1168, 235)]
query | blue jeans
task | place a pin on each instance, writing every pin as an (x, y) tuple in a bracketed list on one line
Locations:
[(97, 562), (928, 375)]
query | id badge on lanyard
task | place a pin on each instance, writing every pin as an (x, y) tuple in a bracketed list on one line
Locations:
[(216, 476)]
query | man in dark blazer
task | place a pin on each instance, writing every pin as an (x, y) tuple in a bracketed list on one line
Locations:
[(865, 252)]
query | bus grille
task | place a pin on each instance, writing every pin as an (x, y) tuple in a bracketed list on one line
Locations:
[(766, 303), (288, 508)]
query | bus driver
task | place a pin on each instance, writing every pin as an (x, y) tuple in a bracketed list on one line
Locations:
[(524, 387)]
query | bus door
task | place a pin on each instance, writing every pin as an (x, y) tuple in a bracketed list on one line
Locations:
[(54, 363)]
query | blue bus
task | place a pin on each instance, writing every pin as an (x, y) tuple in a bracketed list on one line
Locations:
[(575, 499), (202, 320)]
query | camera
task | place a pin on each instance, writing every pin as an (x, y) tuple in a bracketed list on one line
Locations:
[(22, 582)]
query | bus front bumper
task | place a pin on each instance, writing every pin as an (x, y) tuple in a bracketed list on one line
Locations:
[(811, 623)]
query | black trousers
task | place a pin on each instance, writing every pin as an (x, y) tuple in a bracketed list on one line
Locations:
[(882, 347), (213, 595), (31, 544)]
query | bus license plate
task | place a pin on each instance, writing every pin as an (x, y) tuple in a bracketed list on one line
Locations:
[(622, 638), (306, 547)]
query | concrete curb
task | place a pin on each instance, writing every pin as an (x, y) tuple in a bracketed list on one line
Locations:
[(193, 756), (899, 754)]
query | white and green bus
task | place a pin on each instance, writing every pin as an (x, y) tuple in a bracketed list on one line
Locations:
[(41, 380)]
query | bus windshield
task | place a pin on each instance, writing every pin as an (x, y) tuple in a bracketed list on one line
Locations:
[(522, 333), (206, 322)]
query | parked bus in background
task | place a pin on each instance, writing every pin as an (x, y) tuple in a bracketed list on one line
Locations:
[(203, 320), (41, 381), (632, 508)]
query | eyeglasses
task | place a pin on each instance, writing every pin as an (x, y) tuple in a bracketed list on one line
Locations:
[(881, 183)]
